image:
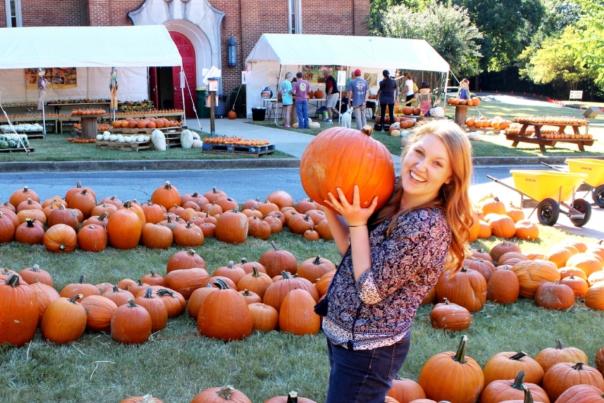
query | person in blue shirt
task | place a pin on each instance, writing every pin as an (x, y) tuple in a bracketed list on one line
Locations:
[(287, 99), (357, 93)]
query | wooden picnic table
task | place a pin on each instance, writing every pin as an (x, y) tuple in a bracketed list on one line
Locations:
[(537, 135)]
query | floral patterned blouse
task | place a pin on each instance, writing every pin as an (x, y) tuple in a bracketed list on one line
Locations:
[(378, 309)]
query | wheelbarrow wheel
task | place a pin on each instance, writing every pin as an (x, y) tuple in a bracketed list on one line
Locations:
[(598, 195), (548, 211), (584, 207)]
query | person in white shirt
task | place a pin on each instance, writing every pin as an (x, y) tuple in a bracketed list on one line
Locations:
[(409, 88)]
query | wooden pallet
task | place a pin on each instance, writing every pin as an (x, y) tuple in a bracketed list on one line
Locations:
[(16, 150), (238, 149), (114, 145)]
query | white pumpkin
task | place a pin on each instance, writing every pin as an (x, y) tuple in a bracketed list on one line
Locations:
[(197, 144), (113, 137), (106, 132), (99, 137), (159, 140), (395, 133), (186, 139)]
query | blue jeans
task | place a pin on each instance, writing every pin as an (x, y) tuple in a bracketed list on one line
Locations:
[(364, 376), (302, 113)]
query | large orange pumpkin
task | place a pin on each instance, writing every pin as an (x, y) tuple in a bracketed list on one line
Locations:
[(232, 227), (219, 395), (341, 158), (550, 356), (18, 312), (532, 273), (60, 238), (166, 195), (124, 228), (297, 315)]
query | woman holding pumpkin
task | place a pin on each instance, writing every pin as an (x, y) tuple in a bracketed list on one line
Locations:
[(392, 258)]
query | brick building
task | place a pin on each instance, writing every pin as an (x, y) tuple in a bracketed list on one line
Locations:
[(200, 28)]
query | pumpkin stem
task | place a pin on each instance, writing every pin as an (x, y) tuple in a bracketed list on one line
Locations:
[(131, 303), (243, 260), (149, 293), (61, 247), (219, 283), (127, 204), (255, 272), (163, 292), (518, 356), (286, 275), (76, 298), (102, 216), (167, 185), (30, 222), (519, 381), (226, 392), (292, 397), (528, 397), (13, 281), (25, 189), (78, 184), (317, 260), (231, 264), (35, 267), (578, 366), (446, 301), (81, 278), (460, 356), (246, 292), (559, 345), (115, 289), (190, 251)]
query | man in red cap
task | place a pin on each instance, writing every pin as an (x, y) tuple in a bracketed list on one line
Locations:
[(357, 93)]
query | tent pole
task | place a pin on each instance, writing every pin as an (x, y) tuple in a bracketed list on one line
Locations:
[(182, 94), (277, 94)]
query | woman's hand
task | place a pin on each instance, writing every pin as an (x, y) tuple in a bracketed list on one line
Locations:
[(354, 214)]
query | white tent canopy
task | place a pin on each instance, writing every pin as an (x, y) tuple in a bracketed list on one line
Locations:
[(361, 51), (275, 54), (123, 46)]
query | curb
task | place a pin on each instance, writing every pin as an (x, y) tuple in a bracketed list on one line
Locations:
[(173, 165), (158, 165)]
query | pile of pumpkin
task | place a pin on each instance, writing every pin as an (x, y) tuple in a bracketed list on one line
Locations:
[(63, 224), (554, 280), (222, 394), (88, 112), (238, 141), (551, 120), (496, 123), (317, 94), (492, 217), (508, 377), (152, 123), (406, 110), (469, 102), (275, 292)]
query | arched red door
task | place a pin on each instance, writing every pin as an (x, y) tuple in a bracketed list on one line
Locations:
[(187, 52)]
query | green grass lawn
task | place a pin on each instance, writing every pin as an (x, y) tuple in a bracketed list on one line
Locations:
[(56, 148), (176, 363)]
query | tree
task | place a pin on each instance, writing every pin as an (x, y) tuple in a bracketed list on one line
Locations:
[(447, 28), (507, 27), (379, 6)]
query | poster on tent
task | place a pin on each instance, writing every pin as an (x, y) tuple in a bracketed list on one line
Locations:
[(314, 74), (56, 77)]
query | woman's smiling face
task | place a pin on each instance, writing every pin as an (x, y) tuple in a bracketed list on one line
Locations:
[(425, 168)]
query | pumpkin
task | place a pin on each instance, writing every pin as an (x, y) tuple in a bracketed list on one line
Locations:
[(157, 236), (506, 365), (33, 214), (64, 320), (572, 271), (166, 195), (119, 296), (503, 287), (503, 247), (45, 294), (278, 290), (224, 315), (484, 267), (83, 200), (559, 256), (596, 277), (599, 360), (563, 375), (185, 259), (255, 281), (337, 158), (174, 301), (277, 261), (124, 228), (313, 268), (502, 390), (515, 213), (595, 296), (232, 115), (581, 394), (304, 205), (465, 287), (60, 238), (99, 311), (232, 227), (227, 203), (527, 230), (452, 376), (485, 230), (446, 315), (219, 395), (297, 314), (405, 390), (198, 297), (80, 287), (292, 397), (554, 296), (259, 228), (186, 281), (19, 312), (577, 284), (188, 235), (30, 232), (531, 273), (264, 317), (101, 209), (501, 225), (7, 228), (492, 205), (248, 267), (550, 356), (131, 324), (28, 204), (281, 198), (156, 308), (299, 223), (232, 271), (214, 194), (92, 238), (35, 274), (21, 195), (154, 213), (587, 262)]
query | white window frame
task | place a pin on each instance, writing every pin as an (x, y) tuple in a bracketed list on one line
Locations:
[(294, 8), (9, 13)]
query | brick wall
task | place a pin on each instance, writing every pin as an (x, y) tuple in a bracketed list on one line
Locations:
[(2, 15), (47, 13), (231, 25), (361, 17)]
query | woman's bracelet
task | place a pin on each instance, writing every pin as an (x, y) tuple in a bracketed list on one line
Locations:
[(354, 226)]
